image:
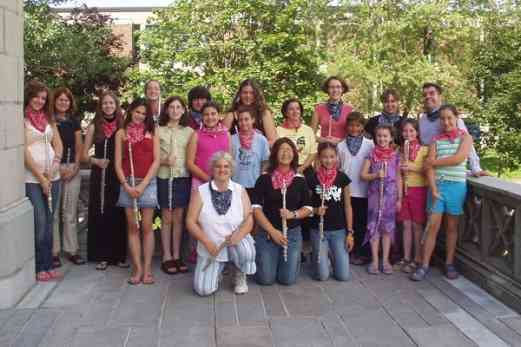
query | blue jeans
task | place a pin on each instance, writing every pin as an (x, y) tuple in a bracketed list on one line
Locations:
[(43, 220), (335, 242), (270, 261)]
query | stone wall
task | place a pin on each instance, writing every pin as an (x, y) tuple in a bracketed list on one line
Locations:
[(16, 217)]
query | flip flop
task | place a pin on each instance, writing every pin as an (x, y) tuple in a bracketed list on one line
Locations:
[(372, 270), (134, 280), (102, 266), (148, 279)]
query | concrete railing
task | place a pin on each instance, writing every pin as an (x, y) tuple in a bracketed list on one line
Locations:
[(489, 241)]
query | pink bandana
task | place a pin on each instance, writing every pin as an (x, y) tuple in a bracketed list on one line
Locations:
[(217, 130), (38, 119), (278, 178), (326, 177), (109, 128), (135, 132), (292, 124), (246, 138), (451, 135), (414, 148)]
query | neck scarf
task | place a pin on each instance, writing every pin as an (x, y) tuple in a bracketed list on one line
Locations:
[(354, 143), (278, 178), (335, 109), (292, 124), (109, 126), (382, 153), (433, 115), (389, 118), (414, 148), (217, 130), (221, 201), (135, 132), (153, 107), (326, 177), (246, 138), (197, 117), (38, 119), (451, 135)]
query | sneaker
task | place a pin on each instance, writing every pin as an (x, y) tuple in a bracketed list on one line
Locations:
[(241, 285), (419, 274), (450, 272)]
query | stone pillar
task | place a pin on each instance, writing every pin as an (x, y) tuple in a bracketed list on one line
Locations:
[(16, 216)]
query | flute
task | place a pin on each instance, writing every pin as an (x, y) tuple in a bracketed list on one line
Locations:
[(103, 175), (65, 186), (283, 191), (156, 115), (133, 183), (321, 223), (171, 179), (381, 197), (47, 171), (406, 150)]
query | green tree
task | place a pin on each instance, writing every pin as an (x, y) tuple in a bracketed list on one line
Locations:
[(77, 52), (219, 43), (497, 68)]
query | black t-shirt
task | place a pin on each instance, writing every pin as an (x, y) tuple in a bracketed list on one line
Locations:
[(271, 200), (67, 129), (335, 217)]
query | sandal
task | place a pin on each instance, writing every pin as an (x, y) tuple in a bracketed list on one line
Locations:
[(181, 266), (148, 279), (410, 267), (56, 262), (134, 280), (169, 267), (401, 264), (419, 274), (123, 264), (55, 275), (43, 276), (102, 266), (450, 272), (372, 270), (75, 259), (387, 269)]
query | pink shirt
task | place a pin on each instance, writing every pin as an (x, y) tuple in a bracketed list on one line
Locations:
[(207, 145), (338, 127)]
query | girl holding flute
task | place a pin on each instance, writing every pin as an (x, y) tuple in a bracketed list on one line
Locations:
[(173, 181), (136, 164)]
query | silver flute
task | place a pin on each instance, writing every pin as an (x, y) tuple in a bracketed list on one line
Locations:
[(65, 185), (133, 183), (406, 151), (283, 191), (321, 223), (47, 171), (171, 178), (381, 197), (103, 177)]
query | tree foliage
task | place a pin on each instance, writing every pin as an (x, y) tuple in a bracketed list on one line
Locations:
[(219, 43), (77, 52)]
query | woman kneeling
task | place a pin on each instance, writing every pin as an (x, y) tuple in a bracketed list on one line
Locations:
[(219, 217)]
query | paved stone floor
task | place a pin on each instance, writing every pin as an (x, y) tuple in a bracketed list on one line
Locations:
[(93, 308)]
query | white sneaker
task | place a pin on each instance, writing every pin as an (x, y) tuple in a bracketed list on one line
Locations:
[(241, 284)]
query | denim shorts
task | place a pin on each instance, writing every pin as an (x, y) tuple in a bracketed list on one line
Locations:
[(147, 200), (452, 198), (180, 192)]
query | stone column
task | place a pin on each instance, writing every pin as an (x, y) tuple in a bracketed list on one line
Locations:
[(16, 216)]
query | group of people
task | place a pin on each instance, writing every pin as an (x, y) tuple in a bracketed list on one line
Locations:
[(250, 193)]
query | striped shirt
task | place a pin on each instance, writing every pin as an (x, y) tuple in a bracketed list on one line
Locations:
[(455, 173)]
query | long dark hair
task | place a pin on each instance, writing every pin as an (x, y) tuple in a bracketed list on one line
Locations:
[(35, 87), (164, 118), (274, 163), (258, 108), (149, 122), (414, 123), (56, 93), (99, 118)]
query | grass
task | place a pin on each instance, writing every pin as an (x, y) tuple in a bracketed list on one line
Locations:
[(490, 162)]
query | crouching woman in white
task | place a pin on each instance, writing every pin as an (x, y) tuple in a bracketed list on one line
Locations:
[(219, 217)]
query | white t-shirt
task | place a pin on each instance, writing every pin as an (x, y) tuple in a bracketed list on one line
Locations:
[(218, 227), (352, 166), (41, 150)]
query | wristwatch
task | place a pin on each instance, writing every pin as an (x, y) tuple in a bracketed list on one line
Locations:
[(350, 232), (295, 215)]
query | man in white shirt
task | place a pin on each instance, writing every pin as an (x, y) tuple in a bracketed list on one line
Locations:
[(430, 125)]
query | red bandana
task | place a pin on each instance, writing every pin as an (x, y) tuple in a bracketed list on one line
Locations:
[(217, 130), (38, 119), (135, 132), (414, 148), (109, 128), (381, 153), (246, 138), (278, 178), (291, 124), (451, 135), (326, 177)]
